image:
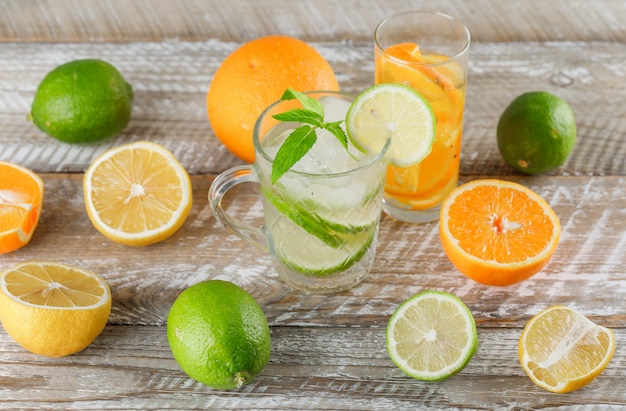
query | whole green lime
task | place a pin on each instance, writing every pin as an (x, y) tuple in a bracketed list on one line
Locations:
[(83, 101), (536, 132), (218, 334)]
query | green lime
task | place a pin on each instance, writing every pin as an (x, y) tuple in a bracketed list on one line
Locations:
[(83, 101), (218, 334), (536, 132), (431, 336), (392, 111)]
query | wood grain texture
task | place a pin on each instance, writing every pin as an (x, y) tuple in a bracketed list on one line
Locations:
[(328, 352), (585, 272), (171, 81), (311, 20), (322, 368)]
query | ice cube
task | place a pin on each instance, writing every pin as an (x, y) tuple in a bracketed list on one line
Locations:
[(327, 156), (335, 109)]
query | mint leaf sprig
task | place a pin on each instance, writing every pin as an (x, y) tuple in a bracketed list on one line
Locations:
[(300, 141)]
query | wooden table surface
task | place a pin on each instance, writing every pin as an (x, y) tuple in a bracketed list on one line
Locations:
[(328, 352)]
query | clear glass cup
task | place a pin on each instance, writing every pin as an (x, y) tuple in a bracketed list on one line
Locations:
[(321, 218), (427, 51)]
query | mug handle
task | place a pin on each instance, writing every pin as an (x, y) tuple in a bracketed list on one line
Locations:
[(220, 186)]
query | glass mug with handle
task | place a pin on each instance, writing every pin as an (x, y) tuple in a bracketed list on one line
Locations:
[(321, 217)]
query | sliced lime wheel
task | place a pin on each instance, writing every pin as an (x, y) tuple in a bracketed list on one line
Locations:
[(431, 336), (392, 111), (322, 247)]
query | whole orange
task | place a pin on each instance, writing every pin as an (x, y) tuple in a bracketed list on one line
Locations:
[(254, 76)]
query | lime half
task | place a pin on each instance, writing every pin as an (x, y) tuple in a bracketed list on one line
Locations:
[(431, 336), (392, 111)]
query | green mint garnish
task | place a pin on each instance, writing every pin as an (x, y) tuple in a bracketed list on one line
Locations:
[(300, 141)]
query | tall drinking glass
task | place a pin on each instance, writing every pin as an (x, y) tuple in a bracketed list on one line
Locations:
[(427, 51), (322, 216)]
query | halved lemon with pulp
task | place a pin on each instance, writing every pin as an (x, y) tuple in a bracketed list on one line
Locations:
[(53, 309), (561, 350), (137, 194)]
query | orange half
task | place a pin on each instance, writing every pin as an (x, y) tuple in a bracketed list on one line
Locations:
[(21, 200), (498, 232)]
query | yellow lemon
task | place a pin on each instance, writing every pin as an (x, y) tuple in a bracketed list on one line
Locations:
[(53, 309), (561, 350), (137, 194)]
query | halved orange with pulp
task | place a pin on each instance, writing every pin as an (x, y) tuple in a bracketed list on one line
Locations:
[(498, 232), (21, 200)]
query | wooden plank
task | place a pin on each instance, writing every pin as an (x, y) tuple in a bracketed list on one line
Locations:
[(171, 81), (310, 20), (585, 271), (328, 351), (131, 368)]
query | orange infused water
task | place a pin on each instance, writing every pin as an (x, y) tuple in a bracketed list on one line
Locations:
[(442, 83), (427, 51)]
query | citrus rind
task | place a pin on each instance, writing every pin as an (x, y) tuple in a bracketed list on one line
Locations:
[(82, 101), (536, 133), (53, 330), (23, 208), (218, 334), (491, 272)]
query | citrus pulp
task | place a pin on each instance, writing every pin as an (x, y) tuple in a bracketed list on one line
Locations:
[(21, 200), (137, 194), (432, 336), (498, 232), (392, 111), (561, 350), (53, 309)]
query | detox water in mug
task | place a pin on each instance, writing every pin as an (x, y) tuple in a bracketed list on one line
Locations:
[(321, 217)]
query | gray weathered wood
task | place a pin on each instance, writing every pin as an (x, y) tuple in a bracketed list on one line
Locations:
[(328, 352), (311, 20), (170, 99)]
